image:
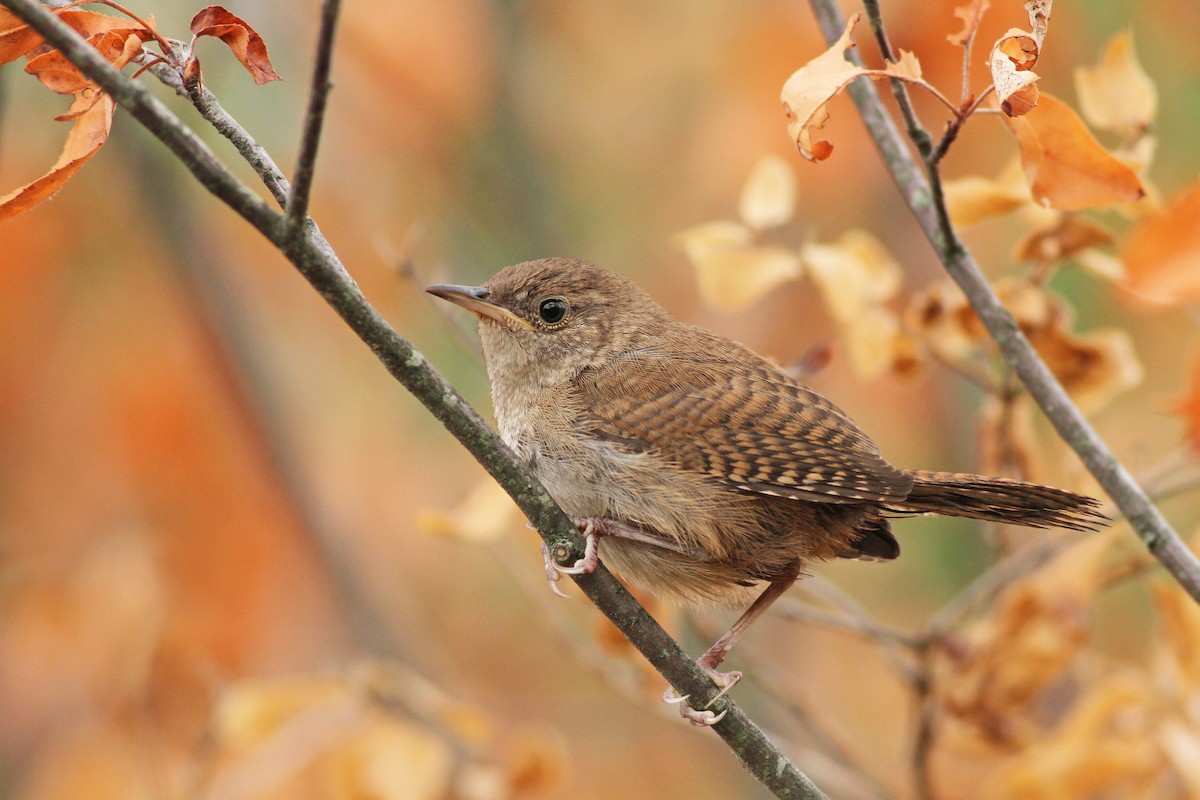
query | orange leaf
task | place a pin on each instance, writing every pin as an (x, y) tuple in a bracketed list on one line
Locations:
[(244, 41), (92, 111), (1162, 250), (1065, 166), (90, 131), (17, 38), (810, 88)]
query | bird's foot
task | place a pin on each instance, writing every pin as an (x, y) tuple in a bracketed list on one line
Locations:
[(591, 556), (703, 717)]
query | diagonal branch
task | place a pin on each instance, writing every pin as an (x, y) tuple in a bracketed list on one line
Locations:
[(927, 205), (313, 257), (314, 120)]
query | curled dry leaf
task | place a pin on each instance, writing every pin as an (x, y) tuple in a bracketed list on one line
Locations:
[(808, 91), (769, 196), (247, 46), (92, 111), (1013, 58), (1117, 94), (971, 13), (1162, 250), (1065, 166)]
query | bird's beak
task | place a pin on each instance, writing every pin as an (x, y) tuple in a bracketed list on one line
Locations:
[(475, 300)]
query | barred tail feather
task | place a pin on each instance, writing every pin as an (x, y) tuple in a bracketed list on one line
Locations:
[(999, 500)]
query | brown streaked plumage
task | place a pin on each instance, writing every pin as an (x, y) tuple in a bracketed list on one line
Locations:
[(704, 468)]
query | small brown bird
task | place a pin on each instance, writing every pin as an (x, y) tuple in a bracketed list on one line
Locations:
[(695, 467)]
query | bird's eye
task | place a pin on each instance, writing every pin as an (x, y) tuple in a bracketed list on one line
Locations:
[(552, 310)]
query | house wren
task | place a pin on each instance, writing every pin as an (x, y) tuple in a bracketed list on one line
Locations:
[(695, 467)]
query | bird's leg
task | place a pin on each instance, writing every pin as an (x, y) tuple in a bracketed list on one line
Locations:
[(713, 657), (592, 528)]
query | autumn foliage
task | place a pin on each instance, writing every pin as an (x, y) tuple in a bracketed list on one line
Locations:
[(174, 624)]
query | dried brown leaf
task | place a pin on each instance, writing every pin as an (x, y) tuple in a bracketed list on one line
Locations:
[(247, 46), (90, 131), (1065, 166), (18, 39), (1117, 94), (1013, 58), (808, 91)]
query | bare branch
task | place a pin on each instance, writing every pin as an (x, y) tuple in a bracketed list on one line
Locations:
[(924, 198), (314, 120), (312, 255)]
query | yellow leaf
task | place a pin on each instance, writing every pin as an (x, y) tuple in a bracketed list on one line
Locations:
[(808, 91), (974, 199), (1065, 166), (872, 341), (852, 273), (769, 197), (1117, 94), (484, 515), (732, 277)]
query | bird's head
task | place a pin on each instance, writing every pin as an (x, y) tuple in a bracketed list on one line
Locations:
[(544, 321)]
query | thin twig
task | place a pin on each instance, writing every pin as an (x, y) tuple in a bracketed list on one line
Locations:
[(207, 104), (831, 593), (314, 121), (926, 723), (863, 627), (924, 198), (916, 131), (316, 261)]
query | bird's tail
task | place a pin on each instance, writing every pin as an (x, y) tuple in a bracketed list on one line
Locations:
[(958, 494)]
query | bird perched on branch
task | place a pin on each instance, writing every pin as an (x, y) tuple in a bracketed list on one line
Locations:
[(693, 466)]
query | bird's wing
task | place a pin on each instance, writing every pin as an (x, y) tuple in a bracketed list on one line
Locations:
[(738, 420)]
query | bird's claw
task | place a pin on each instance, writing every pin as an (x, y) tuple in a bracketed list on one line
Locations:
[(703, 717), (583, 566)]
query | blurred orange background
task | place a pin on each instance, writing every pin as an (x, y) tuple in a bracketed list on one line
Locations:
[(210, 490)]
